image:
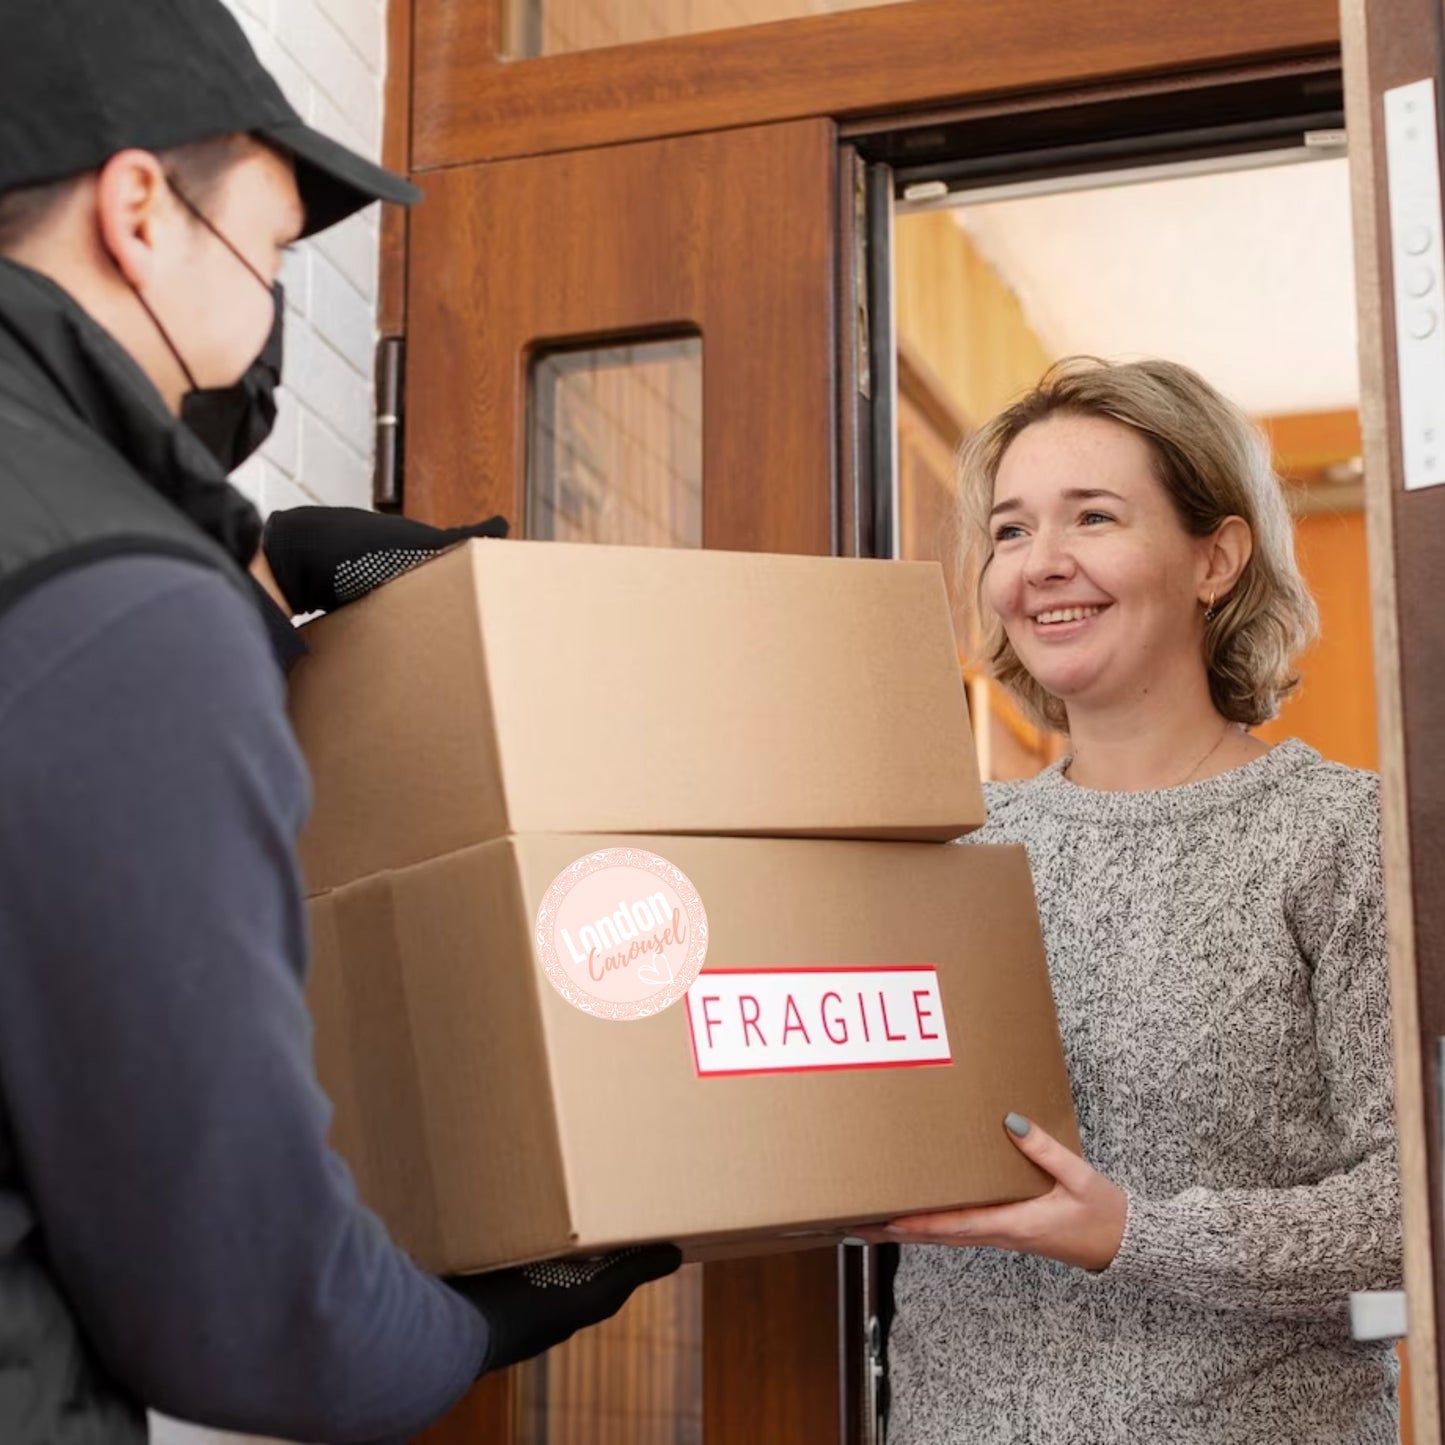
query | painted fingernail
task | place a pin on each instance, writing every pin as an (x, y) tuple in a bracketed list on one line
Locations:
[(853, 1239), (1017, 1125)]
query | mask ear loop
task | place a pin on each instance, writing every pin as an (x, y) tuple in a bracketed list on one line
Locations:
[(166, 337), (225, 240), (205, 220)]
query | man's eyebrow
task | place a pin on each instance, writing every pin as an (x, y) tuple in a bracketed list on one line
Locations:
[(1074, 494)]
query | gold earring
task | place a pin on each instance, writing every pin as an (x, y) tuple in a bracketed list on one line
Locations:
[(1210, 610)]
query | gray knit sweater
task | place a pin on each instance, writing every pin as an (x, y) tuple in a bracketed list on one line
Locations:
[(1218, 961)]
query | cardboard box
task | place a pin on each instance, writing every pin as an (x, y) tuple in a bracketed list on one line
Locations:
[(517, 687), (490, 1121)]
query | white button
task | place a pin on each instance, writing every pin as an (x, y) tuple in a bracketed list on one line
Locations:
[(1417, 239), (1419, 280), (1422, 322)]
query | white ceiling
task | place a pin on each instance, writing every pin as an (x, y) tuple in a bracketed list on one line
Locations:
[(1247, 276)]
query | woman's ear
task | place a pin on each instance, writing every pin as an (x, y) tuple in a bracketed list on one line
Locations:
[(134, 211), (1227, 551)]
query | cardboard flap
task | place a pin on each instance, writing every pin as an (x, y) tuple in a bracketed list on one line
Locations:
[(366, 1058), (392, 709), (490, 1119)]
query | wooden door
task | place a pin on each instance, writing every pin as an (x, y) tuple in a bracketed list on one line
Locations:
[(724, 237), (672, 210), (523, 274), (1392, 56)]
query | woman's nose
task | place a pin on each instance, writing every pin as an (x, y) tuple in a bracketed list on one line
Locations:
[(1048, 557)]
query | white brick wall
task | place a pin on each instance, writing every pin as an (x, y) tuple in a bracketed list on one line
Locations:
[(329, 57)]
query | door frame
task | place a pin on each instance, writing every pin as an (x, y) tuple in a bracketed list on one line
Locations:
[(1390, 43), (450, 101), (443, 73), (471, 106)]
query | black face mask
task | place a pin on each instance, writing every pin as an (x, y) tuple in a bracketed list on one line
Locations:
[(233, 421)]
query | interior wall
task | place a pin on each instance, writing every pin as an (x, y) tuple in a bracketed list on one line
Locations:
[(1334, 706), (965, 350), (959, 319)]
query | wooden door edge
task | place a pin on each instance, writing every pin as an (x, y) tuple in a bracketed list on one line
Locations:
[(1322, 62), (849, 321), (1375, 420), (395, 155)]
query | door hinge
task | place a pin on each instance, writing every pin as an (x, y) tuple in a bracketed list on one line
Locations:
[(386, 477)]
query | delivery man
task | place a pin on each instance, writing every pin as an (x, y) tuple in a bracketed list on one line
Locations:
[(174, 1231)]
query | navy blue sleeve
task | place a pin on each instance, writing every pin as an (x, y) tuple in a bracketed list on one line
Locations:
[(155, 1049)]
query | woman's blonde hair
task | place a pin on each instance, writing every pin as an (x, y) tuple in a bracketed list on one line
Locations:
[(1214, 464)]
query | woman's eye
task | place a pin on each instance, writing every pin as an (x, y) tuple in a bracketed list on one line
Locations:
[(1091, 519), (1007, 532)]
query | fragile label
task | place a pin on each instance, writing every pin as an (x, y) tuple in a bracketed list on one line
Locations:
[(780, 1020), (621, 933)]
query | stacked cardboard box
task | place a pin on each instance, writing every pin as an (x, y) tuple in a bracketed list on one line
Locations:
[(630, 915)]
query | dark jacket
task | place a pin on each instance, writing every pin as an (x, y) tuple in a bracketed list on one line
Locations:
[(174, 1231)]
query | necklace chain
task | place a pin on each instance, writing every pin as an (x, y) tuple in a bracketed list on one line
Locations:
[(1214, 748)]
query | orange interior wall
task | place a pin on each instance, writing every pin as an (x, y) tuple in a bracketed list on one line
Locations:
[(1334, 707)]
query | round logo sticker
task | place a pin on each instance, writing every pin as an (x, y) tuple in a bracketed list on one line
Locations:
[(621, 933)]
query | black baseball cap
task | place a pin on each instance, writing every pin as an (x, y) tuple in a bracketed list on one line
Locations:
[(81, 80)]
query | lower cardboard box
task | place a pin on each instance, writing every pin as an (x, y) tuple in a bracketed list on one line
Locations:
[(525, 1060)]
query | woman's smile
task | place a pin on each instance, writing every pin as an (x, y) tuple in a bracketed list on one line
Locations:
[(1062, 622)]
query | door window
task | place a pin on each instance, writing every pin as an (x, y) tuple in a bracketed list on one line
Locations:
[(554, 27), (614, 445)]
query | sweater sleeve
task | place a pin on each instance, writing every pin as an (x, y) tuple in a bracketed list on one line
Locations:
[(155, 1048), (1300, 1251)]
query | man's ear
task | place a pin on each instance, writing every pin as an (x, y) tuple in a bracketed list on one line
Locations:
[(135, 212), (1226, 554)]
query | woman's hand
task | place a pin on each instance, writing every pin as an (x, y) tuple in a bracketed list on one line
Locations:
[(1080, 1221)]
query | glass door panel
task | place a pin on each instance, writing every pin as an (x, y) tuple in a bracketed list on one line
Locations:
[(555, 27), (635, 1380), (614, 446), (614, 455)]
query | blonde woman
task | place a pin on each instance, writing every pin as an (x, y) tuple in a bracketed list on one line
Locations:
[(1214, 919)]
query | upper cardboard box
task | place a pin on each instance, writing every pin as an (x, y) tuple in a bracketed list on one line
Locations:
[(513, 687)]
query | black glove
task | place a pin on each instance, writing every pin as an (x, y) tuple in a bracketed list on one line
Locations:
[(528, 1310), (325, 557)]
